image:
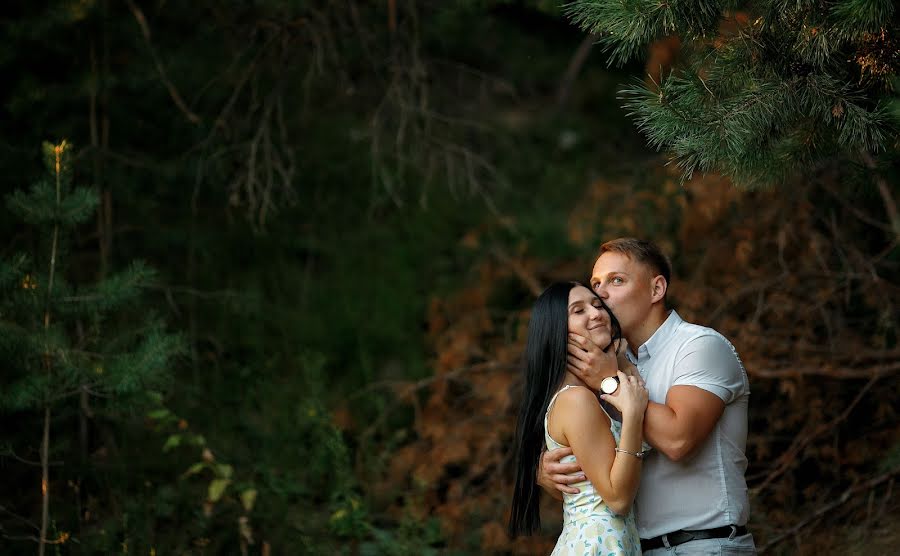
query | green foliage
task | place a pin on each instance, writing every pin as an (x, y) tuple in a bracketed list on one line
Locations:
[(41, 312), (145, 365), (343, 178), (61, 340), (115, 291), (783, 89), (38, 206), (855, 17), (756, 135), (625, 28), (412, 537)]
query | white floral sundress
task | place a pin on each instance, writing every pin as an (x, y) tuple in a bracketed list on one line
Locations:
[(590, 527)]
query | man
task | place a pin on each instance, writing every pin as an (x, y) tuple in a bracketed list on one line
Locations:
[(693, 495)]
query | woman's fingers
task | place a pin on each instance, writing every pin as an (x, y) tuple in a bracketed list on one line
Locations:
[(612, 399), (625, 381), (630, 392)]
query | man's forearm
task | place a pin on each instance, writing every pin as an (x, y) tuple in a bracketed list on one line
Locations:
[(684, 422), (664, 432)]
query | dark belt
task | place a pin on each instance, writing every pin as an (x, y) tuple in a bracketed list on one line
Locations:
[(680, 537)]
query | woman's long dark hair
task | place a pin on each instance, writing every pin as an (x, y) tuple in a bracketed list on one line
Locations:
[(545, 370)]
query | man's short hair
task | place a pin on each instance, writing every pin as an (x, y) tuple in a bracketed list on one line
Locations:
[(642, 251)]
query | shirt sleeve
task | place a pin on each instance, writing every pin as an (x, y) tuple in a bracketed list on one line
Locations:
[(710, 363)]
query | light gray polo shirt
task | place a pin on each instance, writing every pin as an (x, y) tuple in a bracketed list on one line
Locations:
[(707, 489)]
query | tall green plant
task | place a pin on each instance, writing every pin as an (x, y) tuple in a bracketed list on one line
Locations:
[(61, 339)]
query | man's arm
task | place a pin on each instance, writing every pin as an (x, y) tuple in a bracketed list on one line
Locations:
[(677, 427), (708, 375)]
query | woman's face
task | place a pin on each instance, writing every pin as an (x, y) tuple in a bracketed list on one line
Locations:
[(587, 317)]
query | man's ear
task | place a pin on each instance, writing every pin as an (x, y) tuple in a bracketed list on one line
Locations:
[(658, 287)]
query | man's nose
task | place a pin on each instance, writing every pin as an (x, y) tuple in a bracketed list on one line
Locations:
[(601, 291)]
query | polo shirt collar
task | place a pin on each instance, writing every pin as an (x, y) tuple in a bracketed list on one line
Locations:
[(659, 339)]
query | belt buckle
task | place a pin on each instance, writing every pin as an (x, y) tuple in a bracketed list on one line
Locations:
[(665, 540), (733, 532)]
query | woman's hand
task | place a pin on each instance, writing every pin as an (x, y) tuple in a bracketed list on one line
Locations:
[(630, 398)]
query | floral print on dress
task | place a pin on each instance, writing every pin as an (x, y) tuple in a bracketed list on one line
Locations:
[(590, 527)]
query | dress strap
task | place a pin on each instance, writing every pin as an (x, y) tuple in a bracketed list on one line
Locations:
[(550, 406), (553, 399)]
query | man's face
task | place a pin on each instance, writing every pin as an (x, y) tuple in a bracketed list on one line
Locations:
[(625, 286)]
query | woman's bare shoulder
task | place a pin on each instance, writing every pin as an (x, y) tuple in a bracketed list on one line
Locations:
[(579, 401), (578, 414)]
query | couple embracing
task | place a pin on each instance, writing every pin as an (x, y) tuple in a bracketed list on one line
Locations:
[(655, 463)]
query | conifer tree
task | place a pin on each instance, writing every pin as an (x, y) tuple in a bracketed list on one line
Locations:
[(60, 339), (763, 90)]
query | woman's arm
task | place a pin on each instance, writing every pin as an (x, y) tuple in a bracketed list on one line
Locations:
[(615, 475)]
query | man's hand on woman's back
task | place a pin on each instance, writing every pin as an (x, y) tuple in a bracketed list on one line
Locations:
[(555, 477)]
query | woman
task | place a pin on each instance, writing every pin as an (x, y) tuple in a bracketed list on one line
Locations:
[(558, 409)]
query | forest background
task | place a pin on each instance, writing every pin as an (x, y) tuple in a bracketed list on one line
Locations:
[(302, 240)]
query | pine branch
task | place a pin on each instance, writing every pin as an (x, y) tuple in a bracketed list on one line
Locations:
[(12, 273), (627, 26), (114, 291), (776, 93), (144, 366)]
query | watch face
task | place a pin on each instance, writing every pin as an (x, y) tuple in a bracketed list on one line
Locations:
[(609, 384)]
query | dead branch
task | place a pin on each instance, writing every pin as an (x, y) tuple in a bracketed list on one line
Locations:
[(18, 458), (23, 519), (788, 372), (578, 60), (852, 208), (788, 458), (406, 387), (170, 87), (890, 206), (269, 166), (864, 487), (527, 278), (392, 16)]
